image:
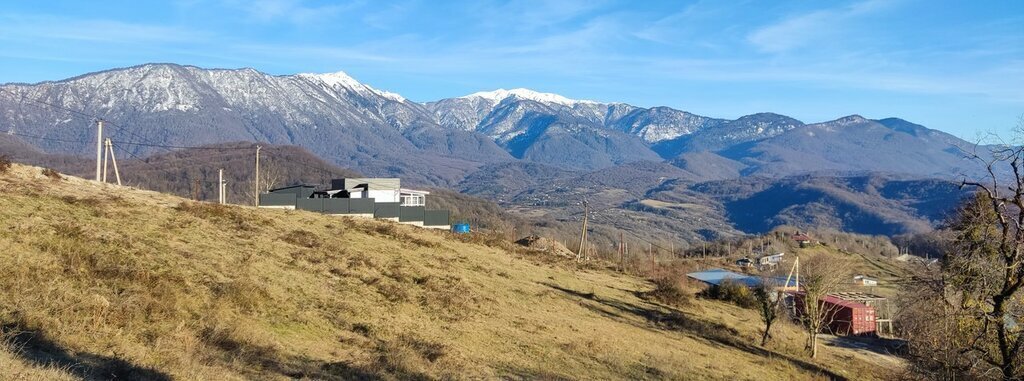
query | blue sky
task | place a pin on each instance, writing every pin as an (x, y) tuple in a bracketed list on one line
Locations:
[(955, 66)]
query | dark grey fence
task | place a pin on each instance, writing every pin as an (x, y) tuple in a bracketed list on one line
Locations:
[(436, 217), (361, 205), (277, 199), (386, 210), (410, 213)]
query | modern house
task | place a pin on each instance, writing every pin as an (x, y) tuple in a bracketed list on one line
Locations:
[(381, 198)]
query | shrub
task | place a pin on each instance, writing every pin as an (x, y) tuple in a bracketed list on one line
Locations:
[(5, 163), (52, 174), (669, 289), (733, 292)]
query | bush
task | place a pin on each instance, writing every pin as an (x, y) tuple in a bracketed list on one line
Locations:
[(5, 163), (669, 290), (733, 292)]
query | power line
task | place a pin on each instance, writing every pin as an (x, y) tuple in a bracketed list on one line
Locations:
[(183, 147), (122, 129), (49, 139)]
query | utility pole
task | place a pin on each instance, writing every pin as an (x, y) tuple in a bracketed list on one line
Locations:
[(626, 254), (106, 151), (256, 195), (113, 160), (583, 233), (622, 254), (99, 146), (220, 186)]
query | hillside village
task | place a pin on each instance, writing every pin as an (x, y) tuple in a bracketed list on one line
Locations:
[(142, 285)]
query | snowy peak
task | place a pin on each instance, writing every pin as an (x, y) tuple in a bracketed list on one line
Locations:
[(499, 95), (341, 79)]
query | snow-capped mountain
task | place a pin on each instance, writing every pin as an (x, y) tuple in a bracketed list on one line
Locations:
[(382, 133)]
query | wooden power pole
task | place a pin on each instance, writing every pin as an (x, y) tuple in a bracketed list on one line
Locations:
[(583, 234), (256, 195), (113, 160)]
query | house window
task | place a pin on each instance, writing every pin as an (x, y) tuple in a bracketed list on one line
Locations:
[(413, 200)]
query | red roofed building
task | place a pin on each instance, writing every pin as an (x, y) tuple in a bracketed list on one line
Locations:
[(803, 239)]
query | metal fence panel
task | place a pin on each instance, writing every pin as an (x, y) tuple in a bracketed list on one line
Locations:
[(386, 210), (436, 218), (410, 213), (361, 205)]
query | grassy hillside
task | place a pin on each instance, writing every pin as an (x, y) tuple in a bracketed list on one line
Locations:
[(176, 172), (103, 281)]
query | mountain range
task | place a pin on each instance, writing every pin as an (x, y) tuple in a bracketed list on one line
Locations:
[(455, 142)]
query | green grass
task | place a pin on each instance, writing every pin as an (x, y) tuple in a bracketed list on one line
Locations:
[(130, 282)]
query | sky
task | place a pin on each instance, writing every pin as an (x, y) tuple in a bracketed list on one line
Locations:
[(955, 66)]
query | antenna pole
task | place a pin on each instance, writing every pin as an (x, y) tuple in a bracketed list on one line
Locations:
[(99, 146)]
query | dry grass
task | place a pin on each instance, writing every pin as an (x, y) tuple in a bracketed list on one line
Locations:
[(52, 174), (133, 282)]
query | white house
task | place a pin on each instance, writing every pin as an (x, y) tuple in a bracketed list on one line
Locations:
[(864, 280), (770, 260), (381, 190)]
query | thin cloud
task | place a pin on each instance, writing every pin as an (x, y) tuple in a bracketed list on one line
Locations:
[(34, 27), (801, 29)]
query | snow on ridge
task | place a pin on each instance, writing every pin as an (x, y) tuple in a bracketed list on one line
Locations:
[(342, 79), (501, 94)]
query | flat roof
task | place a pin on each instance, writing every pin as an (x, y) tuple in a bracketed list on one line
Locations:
[(717, 276), (412, 191)]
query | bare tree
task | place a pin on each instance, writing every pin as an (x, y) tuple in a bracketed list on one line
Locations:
[(270, 177), (820, 277), (769, 305)]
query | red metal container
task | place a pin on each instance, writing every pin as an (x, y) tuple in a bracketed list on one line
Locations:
[(843, 317)]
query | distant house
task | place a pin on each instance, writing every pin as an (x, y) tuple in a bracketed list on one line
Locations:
[(381, 198), (803, 239), (864, 280), (770, 260), (745, 262)]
